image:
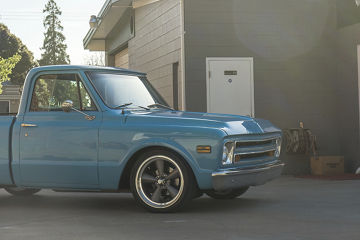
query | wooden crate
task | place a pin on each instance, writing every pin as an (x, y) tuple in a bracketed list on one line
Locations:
[(327, 165)]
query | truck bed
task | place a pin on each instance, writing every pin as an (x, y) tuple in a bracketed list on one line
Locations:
[(5, 126)]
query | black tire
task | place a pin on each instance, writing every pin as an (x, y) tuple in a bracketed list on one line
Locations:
[(229, 194), (19, 191), (161, 181)]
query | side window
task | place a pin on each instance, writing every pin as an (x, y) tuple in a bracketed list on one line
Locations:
[(51, 91), (86, 101)]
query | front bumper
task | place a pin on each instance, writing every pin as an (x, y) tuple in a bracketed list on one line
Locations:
[(237, 178)]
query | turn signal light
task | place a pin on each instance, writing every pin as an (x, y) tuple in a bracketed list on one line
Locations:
[(203, 149)]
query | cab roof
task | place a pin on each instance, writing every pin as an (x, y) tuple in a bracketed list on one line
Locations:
[(84, 68)]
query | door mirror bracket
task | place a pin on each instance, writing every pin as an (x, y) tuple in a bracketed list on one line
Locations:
[(68, 105)]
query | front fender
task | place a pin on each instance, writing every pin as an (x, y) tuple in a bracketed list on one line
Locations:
[(110, 172), (166, 143)]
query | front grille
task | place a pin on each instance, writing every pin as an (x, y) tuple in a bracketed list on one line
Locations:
[(254, 143), (239, 157), (255, 151)]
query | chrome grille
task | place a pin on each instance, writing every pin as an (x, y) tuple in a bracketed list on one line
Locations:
[(255, 151), (253, 143)]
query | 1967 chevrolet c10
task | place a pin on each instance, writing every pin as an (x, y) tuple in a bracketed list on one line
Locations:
[(82, 128)]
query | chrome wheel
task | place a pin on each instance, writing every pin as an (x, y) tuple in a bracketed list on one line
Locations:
[(159, 181)]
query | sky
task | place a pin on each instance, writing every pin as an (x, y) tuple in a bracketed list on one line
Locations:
[(24, 18)]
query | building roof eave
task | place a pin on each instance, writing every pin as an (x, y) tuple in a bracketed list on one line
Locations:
[(108, 16)]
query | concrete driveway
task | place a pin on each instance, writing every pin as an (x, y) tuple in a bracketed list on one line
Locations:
[(287, 208)]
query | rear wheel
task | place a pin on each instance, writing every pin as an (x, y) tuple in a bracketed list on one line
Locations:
[(228, 194), (161, 181), (19, 191)]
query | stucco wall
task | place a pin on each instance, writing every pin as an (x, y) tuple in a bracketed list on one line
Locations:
[(293, 44), (157, 44)]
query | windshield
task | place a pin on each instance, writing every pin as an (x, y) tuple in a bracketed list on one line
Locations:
[(117, 90)]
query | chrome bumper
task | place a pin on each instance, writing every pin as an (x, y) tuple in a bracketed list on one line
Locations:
[(238, 178)]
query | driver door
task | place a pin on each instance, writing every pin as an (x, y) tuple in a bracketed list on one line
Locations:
[(59, 149)]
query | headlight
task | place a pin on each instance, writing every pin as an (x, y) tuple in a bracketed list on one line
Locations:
[(228, 153), (278, 147)]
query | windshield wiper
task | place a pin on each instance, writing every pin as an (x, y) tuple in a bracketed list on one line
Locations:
[(129, 104), (158, 105), (123, 105), (143, 107)]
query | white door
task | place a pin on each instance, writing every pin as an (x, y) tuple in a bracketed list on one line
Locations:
[(230, 86)]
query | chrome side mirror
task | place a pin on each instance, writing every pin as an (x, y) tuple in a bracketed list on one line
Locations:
[(67, 105)]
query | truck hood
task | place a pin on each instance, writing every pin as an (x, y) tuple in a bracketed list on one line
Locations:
[(231, 124)]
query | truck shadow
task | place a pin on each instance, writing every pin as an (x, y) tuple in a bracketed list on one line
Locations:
[(120, 202), (206, 204)]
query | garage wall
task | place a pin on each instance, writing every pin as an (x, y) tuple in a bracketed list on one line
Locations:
[(293, 44), (157, 44), (120, 34), (122, 59), (117, 39), (348, 39)]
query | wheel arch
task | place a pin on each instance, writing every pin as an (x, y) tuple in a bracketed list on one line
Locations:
[(125, 175)]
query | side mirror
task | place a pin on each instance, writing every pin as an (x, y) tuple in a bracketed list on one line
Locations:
[(67, 105)]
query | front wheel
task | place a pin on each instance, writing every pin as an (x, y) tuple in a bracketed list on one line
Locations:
[(162, 182), (229, 194), (19, 191)]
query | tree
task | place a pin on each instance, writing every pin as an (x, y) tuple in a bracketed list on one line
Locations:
[(6, 67), (54, 45), (95, 59), (11, 45)]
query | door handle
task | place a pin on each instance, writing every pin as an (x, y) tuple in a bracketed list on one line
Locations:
[(28, 125)]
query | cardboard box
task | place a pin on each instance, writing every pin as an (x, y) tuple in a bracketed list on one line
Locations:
[(327, 165)]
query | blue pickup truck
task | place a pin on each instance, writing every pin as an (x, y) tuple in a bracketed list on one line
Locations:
[(83, 128)]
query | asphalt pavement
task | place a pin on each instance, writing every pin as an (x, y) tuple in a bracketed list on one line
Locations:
[(287, 208)]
